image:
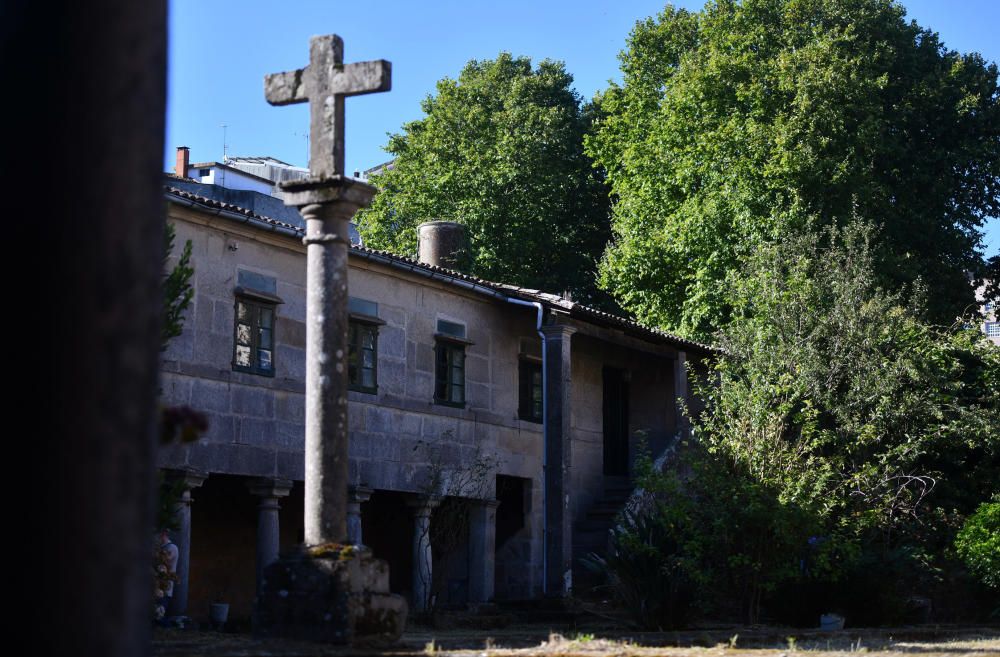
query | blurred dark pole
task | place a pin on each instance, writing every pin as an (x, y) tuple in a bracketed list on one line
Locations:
[(84, 94)]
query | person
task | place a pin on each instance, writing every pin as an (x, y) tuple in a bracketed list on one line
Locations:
[(171, 554)]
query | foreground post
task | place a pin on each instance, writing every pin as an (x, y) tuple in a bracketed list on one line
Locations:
[(332, 591)]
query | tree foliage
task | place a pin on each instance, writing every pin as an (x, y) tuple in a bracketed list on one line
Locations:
[(739, 123), (177, 289), (500, 150), (978, 542), (842, 441)]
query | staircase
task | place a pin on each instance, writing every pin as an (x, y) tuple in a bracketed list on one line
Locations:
[(591, 533)]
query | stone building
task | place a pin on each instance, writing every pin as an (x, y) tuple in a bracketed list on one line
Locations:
[(492, 428)]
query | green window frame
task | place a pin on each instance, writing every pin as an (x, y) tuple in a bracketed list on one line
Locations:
[(449, 372), (253, 336), (362, 356), (530, 390)]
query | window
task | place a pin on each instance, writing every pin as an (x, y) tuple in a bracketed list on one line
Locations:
[(254, 336), (362, 341), (993, 329), (449, 379), (530, 390)]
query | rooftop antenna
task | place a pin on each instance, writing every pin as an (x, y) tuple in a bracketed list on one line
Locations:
[(225, 155)]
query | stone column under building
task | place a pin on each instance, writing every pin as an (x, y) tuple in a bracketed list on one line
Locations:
[(423, 560), (558, 513), (482, 549), (190, 479), (268, 525), (356, 495)]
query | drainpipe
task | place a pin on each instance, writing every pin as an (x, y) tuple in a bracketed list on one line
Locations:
[(545, 438)]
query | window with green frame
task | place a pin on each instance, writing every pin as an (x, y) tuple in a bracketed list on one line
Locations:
[(449, 370), (253, 343), (362, 345), (530, 390), (362, 356)]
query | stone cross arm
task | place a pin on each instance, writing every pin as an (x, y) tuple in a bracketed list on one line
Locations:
[(324, 84), (356, 79)]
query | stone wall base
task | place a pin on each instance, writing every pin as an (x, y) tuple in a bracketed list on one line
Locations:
[(332, 593)]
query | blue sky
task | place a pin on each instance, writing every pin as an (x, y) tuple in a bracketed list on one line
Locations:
[(220, 51)]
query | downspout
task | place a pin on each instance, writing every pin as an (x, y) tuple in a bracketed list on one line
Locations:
[(545, 439)]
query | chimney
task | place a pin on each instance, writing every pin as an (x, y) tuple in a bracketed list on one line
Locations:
[(442, 244), (183, 161)]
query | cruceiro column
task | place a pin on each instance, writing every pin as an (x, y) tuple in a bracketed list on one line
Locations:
[(328, 201), (268, 526), (356, 495), (422, 507), (328, 591), (482, 549), (558, 514), (189, 480)]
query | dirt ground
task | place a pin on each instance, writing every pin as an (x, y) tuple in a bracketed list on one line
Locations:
[(530, 641)]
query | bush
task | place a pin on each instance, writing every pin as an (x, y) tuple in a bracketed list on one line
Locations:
[(978, 542)]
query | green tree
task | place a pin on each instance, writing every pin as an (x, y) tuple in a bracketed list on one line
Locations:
[(750, 118), (842, 442), (500, 150)]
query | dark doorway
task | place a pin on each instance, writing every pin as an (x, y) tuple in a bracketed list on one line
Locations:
[(387, 528), (615, 423)]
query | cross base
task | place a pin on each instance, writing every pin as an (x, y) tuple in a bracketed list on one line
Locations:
[(337, 594)]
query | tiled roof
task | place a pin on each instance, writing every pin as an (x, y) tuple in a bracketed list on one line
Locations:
[(569, 306), (229, 207)]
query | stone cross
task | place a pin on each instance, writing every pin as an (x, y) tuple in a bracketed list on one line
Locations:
[(324, 84), (327, 200)]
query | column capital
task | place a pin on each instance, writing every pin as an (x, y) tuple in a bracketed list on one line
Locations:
[(190, 477), (270, 487), (359, 494), (561, 331)]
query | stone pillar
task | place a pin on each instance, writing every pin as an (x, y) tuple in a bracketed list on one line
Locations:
[(182, 537), (268, 526), (422, 557), (355, 496), (681, 393), (558, 513), (327, 205), (482, 549)]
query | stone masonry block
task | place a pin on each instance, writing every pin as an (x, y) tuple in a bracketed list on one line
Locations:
[(439, 428), (425, 357), (204, 311), (477, 369), (290, 362), (252, 401), (392, 315), (406, 424), (256, 432), (289, 406), (291, 465), (419, 385), (392, 341), (290, 332), (214, 349), (355, 417), (223, 313), (290, 435), (478, 395), (221, 429), (392, 376), (210, 396), (176, 390), (378, 420)]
